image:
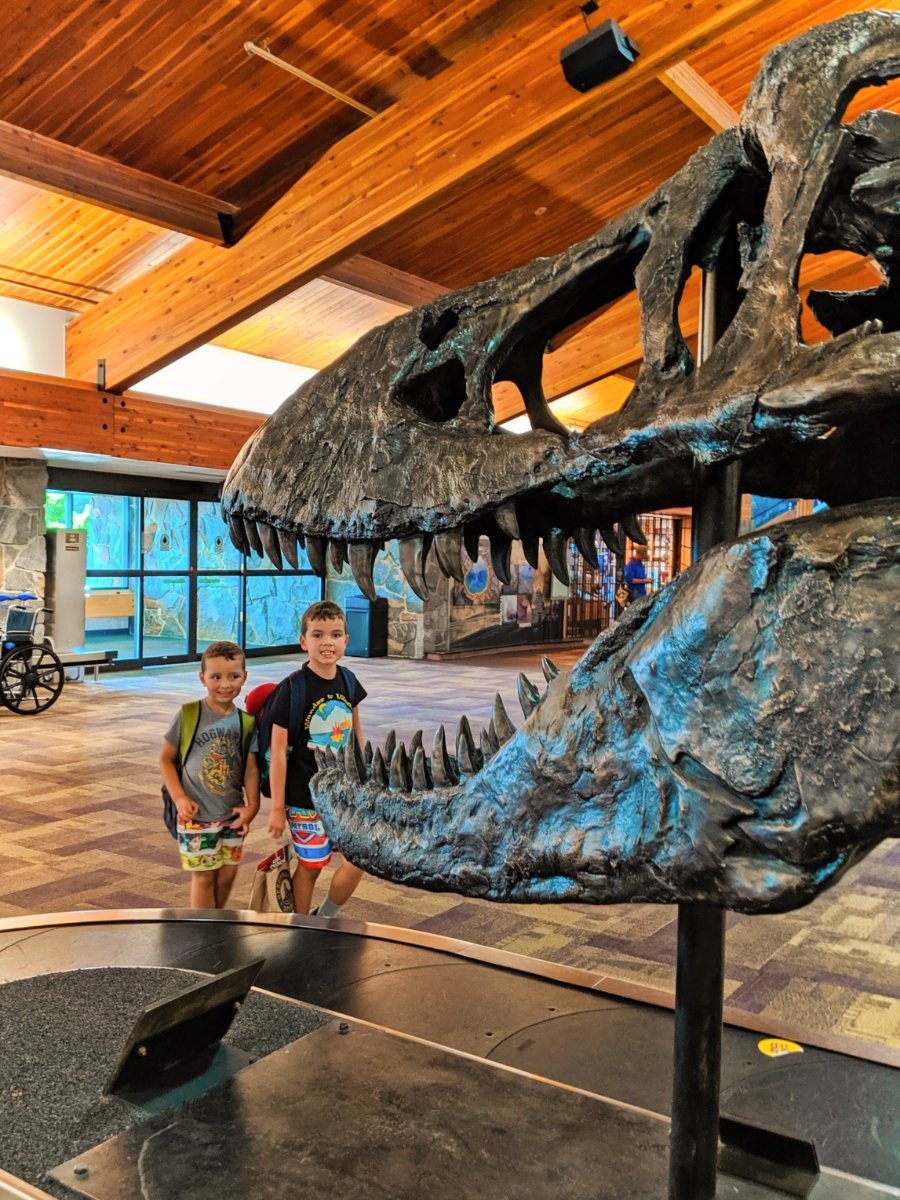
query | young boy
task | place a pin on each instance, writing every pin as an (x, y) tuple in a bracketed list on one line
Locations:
[(208, 787), (330, 711)]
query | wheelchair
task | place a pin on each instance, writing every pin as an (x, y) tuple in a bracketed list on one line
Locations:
[(31, 674)]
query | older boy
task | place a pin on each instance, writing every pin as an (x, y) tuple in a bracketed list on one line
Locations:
[(329, 710), (218, 767)]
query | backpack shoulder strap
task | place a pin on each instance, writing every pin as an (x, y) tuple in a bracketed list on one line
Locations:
[(190, 720), (297, 683), (248, 727)]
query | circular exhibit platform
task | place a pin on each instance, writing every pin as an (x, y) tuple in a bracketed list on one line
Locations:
[(392, 1062)]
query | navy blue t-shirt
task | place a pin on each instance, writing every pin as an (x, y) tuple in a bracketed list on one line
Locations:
[(326, 720)]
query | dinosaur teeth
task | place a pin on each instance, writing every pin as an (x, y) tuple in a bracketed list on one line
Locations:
[(471, 540), (501, 550), (503, 725), (550, 669), (556, 547), (531, 548), (338, 555), (421, 777), (465, 748), (368, 755), (354, 762), (341, 757), (390, 745), (269, 538), (379, 770), (488, 750), (587, 547), (287, 540), (448, 549), (529, 695), (400, 777), (506, 518), (413, 552), (321, 759), (441, 767), (362, 560), (631, 527), (238, 535), (316, 548), (254, 539), (417, 743), (613, 540)]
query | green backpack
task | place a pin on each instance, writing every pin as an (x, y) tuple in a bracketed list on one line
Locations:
[(190, 722)]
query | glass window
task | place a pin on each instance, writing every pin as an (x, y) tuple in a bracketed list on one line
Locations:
[(275, 604), (218, 609), (165, 615), (167, 531), (110, 615), (111, 523), (215, 551), (57, 509)]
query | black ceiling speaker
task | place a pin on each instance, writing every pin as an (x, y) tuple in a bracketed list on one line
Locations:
[(599, 55)]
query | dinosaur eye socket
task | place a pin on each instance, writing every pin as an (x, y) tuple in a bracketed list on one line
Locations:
[(438, 394), (436, 326)]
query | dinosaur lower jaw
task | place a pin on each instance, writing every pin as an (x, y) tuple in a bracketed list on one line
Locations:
[(433, 840)]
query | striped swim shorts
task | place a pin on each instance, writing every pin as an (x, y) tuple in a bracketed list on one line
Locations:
[(208, 845), (309, 837)]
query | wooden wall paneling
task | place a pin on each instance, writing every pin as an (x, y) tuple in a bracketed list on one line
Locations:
[(157, 430), (43, 411), (32, 158), (475, 115)]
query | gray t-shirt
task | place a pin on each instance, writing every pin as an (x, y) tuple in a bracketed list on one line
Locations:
[(213, 776)]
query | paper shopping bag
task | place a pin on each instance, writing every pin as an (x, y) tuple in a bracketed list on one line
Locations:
[(271, 891)]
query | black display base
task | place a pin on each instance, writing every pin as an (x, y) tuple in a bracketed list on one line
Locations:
[(504, 1009), (351, 1109)]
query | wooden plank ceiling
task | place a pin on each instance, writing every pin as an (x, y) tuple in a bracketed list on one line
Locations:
[(168, 91)]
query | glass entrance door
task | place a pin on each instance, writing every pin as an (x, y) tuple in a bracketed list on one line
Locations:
[(166, 560)]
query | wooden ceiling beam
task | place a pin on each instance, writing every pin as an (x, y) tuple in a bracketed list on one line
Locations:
[(46, 163), (473, 116), (378, 280), (700, 97), (44, 411)]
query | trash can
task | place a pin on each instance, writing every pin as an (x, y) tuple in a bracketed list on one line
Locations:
[(367, 625)]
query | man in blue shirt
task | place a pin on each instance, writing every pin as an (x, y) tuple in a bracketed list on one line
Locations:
[(636, 577)]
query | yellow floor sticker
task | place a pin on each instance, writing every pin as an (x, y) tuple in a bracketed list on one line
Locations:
[(775, 1047)]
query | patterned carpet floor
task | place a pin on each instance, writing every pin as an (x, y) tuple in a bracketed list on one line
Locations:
[(81, 828)]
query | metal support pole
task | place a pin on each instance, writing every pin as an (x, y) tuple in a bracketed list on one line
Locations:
[(700, 971)]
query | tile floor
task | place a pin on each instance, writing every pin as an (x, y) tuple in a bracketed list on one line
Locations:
[(81, 828)]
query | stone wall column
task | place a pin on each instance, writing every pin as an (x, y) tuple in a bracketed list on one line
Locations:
[(23, 548)]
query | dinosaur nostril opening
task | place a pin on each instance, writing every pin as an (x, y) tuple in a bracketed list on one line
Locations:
[(438, 394)]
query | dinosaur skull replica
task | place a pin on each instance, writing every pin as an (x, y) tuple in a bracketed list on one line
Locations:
[(396, 440)]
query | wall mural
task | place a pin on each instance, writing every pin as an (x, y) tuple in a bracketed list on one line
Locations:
[(735, 738)]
